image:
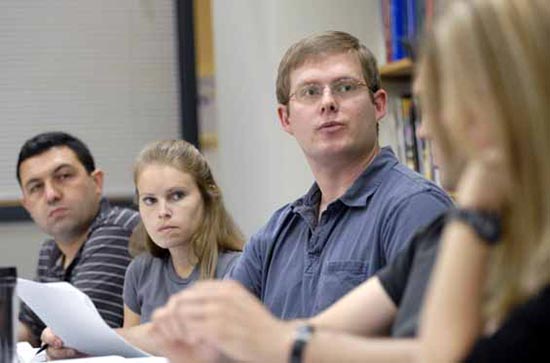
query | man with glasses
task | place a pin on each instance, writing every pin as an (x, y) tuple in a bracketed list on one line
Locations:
[(355, 219), (364, 205), (363, 208)]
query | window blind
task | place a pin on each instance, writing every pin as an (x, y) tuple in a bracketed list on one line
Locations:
[(103, 70)]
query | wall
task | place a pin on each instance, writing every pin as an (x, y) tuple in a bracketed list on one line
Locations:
[(19, 246)]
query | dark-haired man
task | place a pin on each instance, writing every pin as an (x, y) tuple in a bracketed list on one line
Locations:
[(62, 191)]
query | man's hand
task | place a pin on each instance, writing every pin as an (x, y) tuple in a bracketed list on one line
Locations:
[(226, 316), (56, 348), (178, 351)]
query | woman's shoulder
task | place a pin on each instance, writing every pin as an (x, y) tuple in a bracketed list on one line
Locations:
[(145, 263), (226, 261)]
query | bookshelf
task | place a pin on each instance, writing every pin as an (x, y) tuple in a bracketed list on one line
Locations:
[(403, 22), (208, 140), (415, 153), (399, 69)]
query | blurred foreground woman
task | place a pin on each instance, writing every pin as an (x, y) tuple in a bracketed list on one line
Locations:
[(487, 68)]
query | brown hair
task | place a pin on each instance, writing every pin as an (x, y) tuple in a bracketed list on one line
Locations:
[(217, 231), (330, 42)]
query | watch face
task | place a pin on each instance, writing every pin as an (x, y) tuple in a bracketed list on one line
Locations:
[(489, 228), (304, 332)]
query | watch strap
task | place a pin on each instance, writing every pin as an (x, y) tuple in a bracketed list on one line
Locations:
[(302, 337), (487, 225)]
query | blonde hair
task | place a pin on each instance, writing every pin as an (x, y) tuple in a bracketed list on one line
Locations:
[(217, 231), (492, 59), (317, 45)]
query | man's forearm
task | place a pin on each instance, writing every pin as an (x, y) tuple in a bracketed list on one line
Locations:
[(367, 310)]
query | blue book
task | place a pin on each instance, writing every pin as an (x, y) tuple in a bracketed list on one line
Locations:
[(398, 24)]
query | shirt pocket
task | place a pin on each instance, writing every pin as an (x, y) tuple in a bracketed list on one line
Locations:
[(337, 279)]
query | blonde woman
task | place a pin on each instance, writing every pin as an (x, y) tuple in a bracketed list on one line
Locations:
[(187, 232), (490, 297)]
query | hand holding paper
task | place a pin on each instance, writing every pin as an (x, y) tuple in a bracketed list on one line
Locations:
[(73, 317)]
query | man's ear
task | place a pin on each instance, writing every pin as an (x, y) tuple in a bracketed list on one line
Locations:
[(284, 118), (380, 104), (97, 177), (25, 203)]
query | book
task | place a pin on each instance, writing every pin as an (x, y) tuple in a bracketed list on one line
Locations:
[(385, 7), (398, 26), (403, 23)]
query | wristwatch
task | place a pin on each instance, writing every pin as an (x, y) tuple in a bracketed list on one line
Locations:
[(302, 337), (487, 225)]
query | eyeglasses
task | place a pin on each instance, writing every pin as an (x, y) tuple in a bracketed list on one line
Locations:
[(342, 89)]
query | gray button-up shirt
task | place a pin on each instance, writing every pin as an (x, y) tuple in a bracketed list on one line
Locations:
[(299, 265)]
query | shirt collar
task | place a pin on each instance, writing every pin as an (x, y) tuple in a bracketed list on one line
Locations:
[(55, 256), (102, 215), (367, 183), (361, 189)]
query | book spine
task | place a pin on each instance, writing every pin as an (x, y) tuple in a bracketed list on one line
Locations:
[(411, 19), (420, 16), (408, 134), (399, 129), (385, 7), (398, 16), (429, 13)]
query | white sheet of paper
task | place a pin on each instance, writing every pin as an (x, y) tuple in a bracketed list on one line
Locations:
[(114, 359), (106, 359), (26, 353), (73, 317)]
